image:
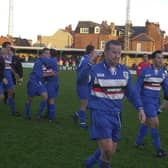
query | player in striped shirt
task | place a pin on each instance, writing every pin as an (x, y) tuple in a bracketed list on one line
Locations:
[(149, 85)]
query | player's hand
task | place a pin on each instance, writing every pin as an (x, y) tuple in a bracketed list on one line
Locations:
[(5, 81), (16, 75), (141, 116), (20, 81), (160, 111), (55, 73)]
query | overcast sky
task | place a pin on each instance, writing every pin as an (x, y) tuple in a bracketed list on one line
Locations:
[(45, 17)]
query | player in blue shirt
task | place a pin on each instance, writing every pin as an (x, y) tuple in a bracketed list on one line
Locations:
[(9, 87), (83, 88), (110, 81), (52, 85), (149, 84), (3, 80), (164, 105), (36, 86)]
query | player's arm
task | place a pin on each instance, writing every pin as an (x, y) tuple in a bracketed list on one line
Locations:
[(165, 88), (140, 81), (134, 97), (84, 73), (138, 69), (85, 70), (52, 62), (2, 66), (19, 69), (50, 74), (132, 94), (56, 68), (15, 73)]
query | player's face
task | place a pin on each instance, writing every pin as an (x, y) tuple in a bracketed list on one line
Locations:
[(8, 46), (158, 60), (113, 54), (93, 56), (145, 58), (46, 53)]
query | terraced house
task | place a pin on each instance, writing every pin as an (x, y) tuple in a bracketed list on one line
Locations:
[(142, 38)]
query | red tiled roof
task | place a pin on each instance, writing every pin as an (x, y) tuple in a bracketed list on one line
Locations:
[(4, 39)]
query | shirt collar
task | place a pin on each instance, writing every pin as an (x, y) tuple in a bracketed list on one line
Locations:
[(107, 66)]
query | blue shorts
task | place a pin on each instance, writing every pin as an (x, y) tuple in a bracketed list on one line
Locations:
[(8, 76), (35, 88), (52, 89), (1, 88), (105, 125), (151, 107), (83, 91)]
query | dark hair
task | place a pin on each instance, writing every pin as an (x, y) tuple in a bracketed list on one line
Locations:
[(155, 53), (111, 42), (53, 52), (89, 49), (45, 49), (4, 45)]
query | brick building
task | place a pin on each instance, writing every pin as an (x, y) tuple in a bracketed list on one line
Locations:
[(166, 43), (4, 39), (142, 38), (150, 39), (88, 32), (16, 41), (60, 39)]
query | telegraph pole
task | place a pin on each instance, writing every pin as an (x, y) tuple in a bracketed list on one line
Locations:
[(10, 18), (127, 28)]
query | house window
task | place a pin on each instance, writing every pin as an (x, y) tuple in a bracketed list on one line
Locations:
[(84, 30), (121, 34), (113, 32), (102, 44), (97, 30), (139, 47)]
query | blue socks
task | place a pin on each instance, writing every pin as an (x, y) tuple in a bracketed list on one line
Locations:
[(42, 106), (142, 133), (52, 111), (28, 105), (47, 112), (156, 138), (90, 161), (82, 117), (102, 164), (154, 134), (11, 104)]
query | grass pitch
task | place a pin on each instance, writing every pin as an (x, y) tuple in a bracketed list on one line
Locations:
[(34, 144)]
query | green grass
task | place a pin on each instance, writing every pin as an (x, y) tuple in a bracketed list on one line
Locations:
[(34, 144)]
